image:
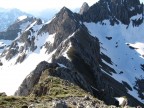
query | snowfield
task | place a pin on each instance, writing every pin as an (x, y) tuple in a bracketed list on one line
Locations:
[(124, 58)]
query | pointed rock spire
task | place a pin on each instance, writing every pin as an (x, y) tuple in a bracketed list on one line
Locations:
[(84, 8)]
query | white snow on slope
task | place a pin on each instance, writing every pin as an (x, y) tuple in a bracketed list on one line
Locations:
[(12, 75), (31, 25), (124, 59), (22, 17), (4, 43), (62, 65), (139, 47), (8, 42), (136, 17), (120, 99)]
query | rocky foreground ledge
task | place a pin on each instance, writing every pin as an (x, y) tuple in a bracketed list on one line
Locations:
[(50, 91), (62, 94), (86, 101)]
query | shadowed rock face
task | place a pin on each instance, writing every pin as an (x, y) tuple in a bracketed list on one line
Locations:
[(113, 10), (139, 86)]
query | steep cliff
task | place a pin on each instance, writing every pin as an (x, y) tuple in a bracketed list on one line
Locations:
[(115, 11)]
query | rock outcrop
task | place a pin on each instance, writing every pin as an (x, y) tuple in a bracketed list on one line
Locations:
[(64, 24), (32, 79), (84, 8), (26, 38), (113, 10), (9, 16)]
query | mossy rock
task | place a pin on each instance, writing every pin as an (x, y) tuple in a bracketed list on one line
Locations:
[(55, 87)]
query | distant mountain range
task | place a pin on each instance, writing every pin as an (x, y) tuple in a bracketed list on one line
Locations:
[(9, 16)]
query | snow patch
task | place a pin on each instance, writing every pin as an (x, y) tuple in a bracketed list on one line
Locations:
[(61, 65), (51, 38), (120, 99), (65, 53), (49, 20), (22, 17), (136, 17), (31, 25), (139, 47)]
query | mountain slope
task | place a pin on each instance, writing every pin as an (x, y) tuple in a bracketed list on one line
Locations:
[(101, 53), (52, 92), (13, 31), (115, 11), (8, 17)]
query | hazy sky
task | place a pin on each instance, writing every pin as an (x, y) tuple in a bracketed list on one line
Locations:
[(30, 5), (37, 5)]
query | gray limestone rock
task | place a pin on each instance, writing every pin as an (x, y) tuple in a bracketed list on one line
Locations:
[(114, 10), (59, 104), (84, 8), (29, 82)]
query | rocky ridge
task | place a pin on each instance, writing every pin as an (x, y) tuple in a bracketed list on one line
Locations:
[(76, 55), (115, 11), (12, 31)]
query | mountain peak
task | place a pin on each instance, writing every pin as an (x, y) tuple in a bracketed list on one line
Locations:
[(114, 11), (65, 10), (84, 8)]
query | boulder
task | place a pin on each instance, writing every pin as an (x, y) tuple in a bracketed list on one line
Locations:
[(3, 94), (59, 104)]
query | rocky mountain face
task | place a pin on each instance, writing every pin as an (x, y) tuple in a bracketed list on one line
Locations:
[(84, 8), (53, 92), (68, 48), (8, 17), (115, 11), (13, 31)]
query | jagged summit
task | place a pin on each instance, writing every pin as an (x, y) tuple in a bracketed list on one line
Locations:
[(84, 8), (115, 11), (64, 24)]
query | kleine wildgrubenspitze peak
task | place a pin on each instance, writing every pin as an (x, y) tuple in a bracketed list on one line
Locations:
[(100, 49)]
